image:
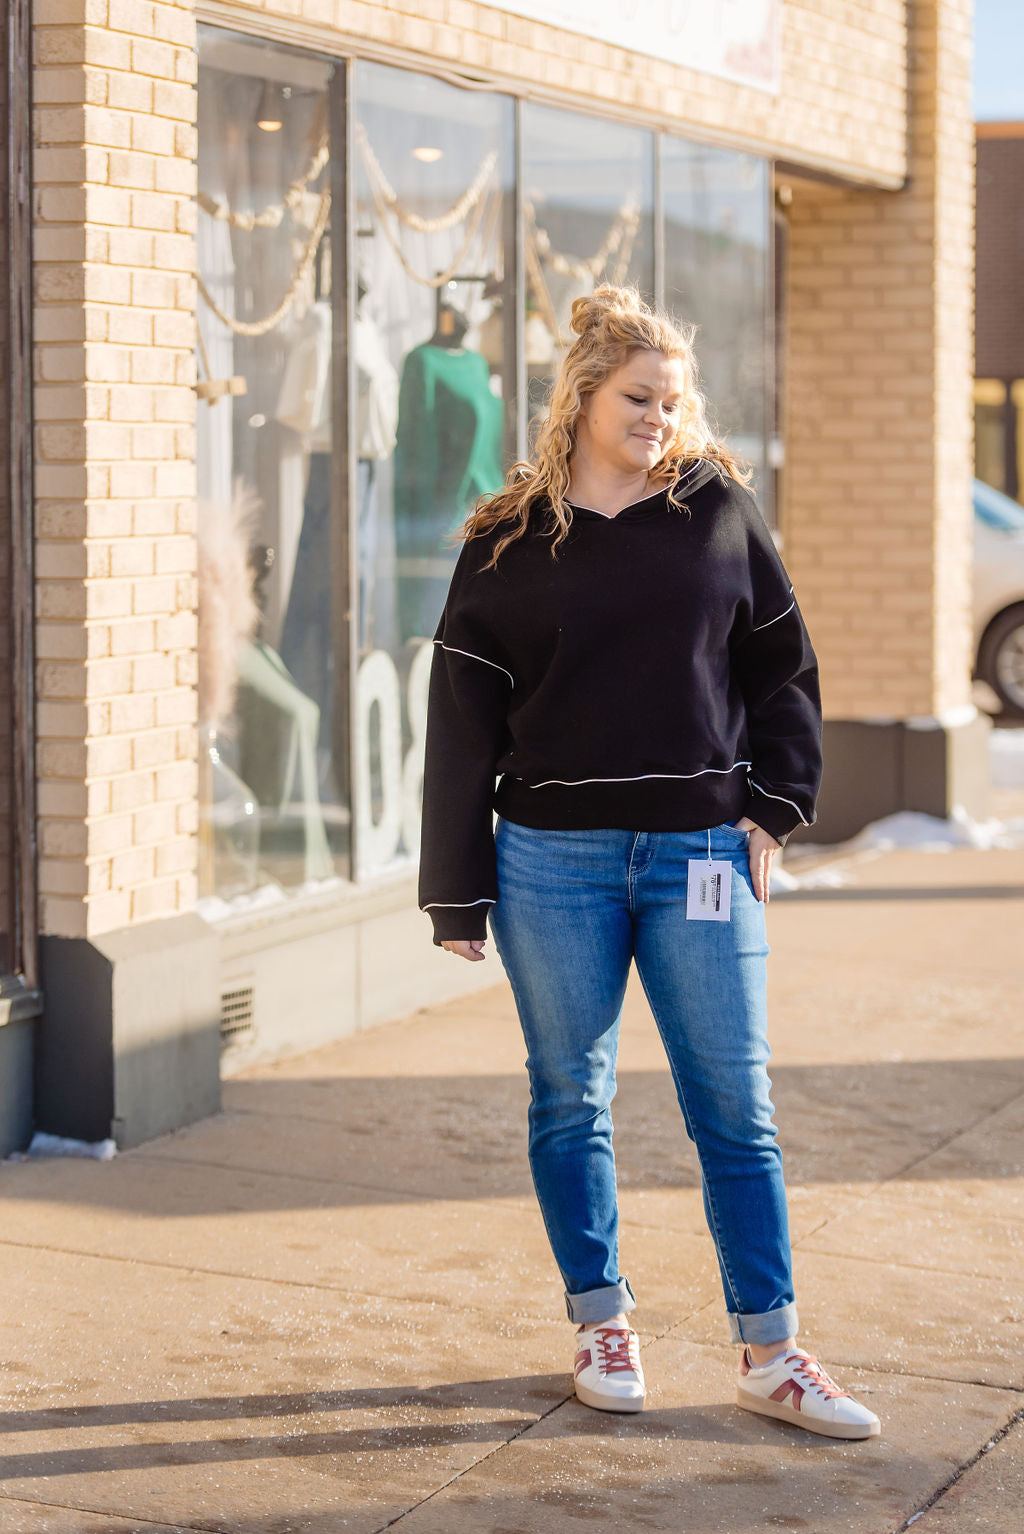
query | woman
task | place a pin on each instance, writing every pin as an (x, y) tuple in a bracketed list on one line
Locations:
[(621, 646)]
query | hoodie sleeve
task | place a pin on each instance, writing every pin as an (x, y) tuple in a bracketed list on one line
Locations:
[(467, 708), (777, 672)]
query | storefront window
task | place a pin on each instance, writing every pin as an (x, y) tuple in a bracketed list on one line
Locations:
[(717, 271), (8, 427), (588, 204), (351, 411), (434, 403), (272, 814)]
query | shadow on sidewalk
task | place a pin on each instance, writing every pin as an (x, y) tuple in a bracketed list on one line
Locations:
[(356, 1141)]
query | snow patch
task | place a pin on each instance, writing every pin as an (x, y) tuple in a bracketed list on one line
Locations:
[(59, 1145)]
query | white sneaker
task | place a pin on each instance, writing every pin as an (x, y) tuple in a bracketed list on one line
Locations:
[(606, 1370), (795, 1388)]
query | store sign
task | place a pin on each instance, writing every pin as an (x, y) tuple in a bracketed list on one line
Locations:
[(735, 39)]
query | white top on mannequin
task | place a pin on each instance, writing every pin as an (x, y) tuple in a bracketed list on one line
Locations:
[(304, 401)]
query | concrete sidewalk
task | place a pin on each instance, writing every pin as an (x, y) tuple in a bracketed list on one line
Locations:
[(333, 1307)]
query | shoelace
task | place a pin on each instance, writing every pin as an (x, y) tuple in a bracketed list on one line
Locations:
[(615, 1350), (815, 1374)]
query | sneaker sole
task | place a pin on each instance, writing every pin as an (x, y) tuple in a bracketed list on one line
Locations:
[(607, 1403), (785, 1413)]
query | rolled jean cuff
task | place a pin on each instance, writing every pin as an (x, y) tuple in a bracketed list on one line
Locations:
[(599, 1304), (769, 1326)]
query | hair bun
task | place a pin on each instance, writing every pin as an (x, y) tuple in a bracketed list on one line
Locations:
[(589, 312)]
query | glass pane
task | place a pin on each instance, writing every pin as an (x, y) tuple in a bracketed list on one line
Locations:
[(990, 427), (717, 228), (6, 426), (272, 815), (434, 399), (588, 190)]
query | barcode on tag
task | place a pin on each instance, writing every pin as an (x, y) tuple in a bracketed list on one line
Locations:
[(708, 890)]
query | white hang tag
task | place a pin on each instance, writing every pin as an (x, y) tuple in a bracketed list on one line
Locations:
[(708, 890)]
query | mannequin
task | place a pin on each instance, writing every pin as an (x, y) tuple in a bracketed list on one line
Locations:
[(448, 452)]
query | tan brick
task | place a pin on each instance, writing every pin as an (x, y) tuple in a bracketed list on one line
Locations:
[(154, 596), (155, 900), (61, 759), (153, 825), (67, 801), (60, 876), (176, 707), (176, 856), (132, 638), (62, 917), (108, 913), (61, 721), (152, 673), (131, 247), (156, 59), (177, 781), (133, 790), (109, 757), (175, 24), (60, 599), (134, 16), (60, 561), (132, 328), (130, 169), (153, 134), (132, 93), (64, 12), (173, 99), (132, 868), (133, 556)]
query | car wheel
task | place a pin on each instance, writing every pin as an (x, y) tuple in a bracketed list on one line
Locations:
[(1001, 659)]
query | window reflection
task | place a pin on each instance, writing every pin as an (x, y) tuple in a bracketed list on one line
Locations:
[(435, 402), (588, 194), (6, 425), (272, 814), (716, 275)]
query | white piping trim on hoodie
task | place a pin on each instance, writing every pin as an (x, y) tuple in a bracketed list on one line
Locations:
[(576, 782), (782, 797), (484, 900), (768, 625), (454, 650)]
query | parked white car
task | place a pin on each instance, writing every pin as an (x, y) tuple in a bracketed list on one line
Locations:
[(999, 595)]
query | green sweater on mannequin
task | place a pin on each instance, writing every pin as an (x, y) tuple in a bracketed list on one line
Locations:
[(449, 452)]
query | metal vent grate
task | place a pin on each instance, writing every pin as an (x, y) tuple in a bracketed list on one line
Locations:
[(237, 1007)]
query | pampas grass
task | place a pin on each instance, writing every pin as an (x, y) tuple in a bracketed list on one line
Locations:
[(228, 611)]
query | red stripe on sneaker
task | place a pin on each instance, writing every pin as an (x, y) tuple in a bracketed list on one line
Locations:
[(583, 1360), (790, 1387)]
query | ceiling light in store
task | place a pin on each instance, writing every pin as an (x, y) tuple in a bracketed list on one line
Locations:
[(428, 154), (268, 117)]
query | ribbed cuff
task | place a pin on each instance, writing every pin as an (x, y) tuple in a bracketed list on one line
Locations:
[(459, 923)]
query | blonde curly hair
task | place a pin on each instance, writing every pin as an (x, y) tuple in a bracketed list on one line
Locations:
[(612, 324)]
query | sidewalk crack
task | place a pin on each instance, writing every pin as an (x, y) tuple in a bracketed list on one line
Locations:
[(526, 1428), (961, 1470)]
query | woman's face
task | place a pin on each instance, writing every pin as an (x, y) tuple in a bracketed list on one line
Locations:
[(627, 423)]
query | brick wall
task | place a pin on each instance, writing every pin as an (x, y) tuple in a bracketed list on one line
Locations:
[(114, 303), (879, 427)]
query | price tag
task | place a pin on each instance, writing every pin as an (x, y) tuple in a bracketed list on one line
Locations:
[(708, 888)]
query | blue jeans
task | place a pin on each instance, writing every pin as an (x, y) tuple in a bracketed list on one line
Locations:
[(573, 909)]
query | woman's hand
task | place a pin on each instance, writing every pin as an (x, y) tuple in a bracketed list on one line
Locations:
[(473, 949), (762, 849)]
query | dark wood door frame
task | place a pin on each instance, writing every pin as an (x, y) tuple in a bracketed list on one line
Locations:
[(17, 490)]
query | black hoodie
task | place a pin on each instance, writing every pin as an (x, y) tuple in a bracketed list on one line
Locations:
[(655, 676)]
